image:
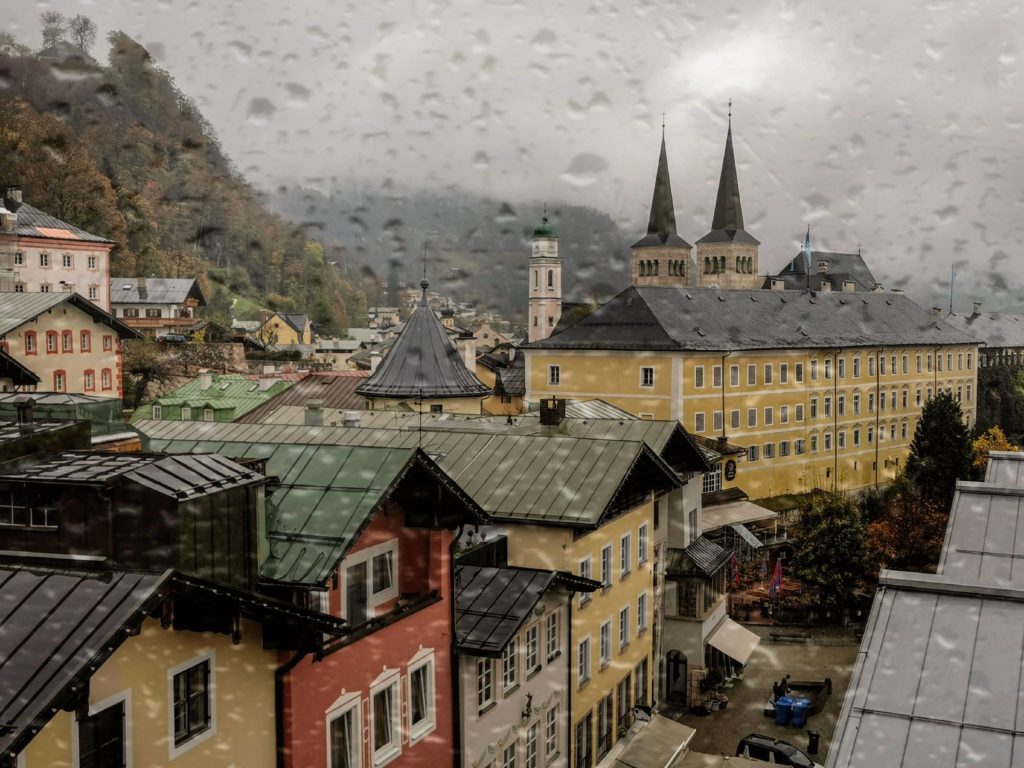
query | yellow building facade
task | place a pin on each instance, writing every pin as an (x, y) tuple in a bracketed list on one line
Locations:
[(612, 664), (826, 415), (140, 674)]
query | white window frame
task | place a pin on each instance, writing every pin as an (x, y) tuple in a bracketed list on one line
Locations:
[(554, 375), (734, 419), (124, 697), (751, 417), (531, 637), (699, 422), (625, 628), (604, 644), (551, 729), (389, 678), (751, 375), (734, 375), (347, 702), (186, 413), (373, 600), (767, 373), (644, 370), (716, 376), (586, 572), (606, 566), (625, 555), (510, 667), (424, 659), (485, 674), (698, 377), (552, 639), (642, 543), (641, 613), (798, 414), (175, 751), (584, 662), (158, 412)]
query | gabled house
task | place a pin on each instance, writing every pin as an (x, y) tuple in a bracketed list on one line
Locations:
[(511, 628), (285, 328), (42, 254), (156, 306), (66, 341), (214, 397), (370, 533)]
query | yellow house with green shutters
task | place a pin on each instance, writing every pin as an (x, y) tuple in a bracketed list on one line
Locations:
[(822, 390), (143, 668)]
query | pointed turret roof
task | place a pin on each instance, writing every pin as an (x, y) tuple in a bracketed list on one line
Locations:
[(661, 226), (727, 223), (423, 363)]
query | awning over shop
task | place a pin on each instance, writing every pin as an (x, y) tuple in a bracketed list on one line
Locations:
[(733, 640), (738, 512), (744, 533), (659, 744)]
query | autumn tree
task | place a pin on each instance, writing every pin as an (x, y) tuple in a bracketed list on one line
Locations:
[(992, 439), (909, 531), (54, 25), (829, 548), (82, 31), (940, 453)]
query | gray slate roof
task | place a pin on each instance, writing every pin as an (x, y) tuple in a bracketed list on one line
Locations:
[(841, 267), (661, 226), (35, 223), (985, 534), (702, 557), (16, 309), (423, 363), (727, 222), (995, 330), (156, 290), (708, 319), (937, 681), (492, 603), (572, 482)]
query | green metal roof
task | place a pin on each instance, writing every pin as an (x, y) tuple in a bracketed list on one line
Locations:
[(545, 229), (234, 391)]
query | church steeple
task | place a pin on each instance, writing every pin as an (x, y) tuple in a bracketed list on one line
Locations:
[(727, 255), (728, 209), (663, 213), (661, 257)]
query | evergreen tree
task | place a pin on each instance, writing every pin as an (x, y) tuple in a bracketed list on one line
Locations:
[(940, 453), (829, 548)]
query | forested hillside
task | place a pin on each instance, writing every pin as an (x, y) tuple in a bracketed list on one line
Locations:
[(121, 152)]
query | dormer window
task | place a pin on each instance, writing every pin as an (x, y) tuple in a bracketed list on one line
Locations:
[(823, 266)]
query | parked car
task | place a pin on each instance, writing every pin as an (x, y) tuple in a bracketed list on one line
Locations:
[(758, 747)]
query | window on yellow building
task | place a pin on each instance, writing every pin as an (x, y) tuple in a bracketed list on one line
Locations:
[(856, 436), (856, 367), (554, 375), (828, 406), (625, 555), (798, 446), (871, 402), (828, 367), (717, 421), (949, 361), (841, 405), (783, 373), (969, 360), (734, 375), (871, 365), (918, 360), (783, 414), (698, 377), (841, 368), (751, 375), (752, 453), (892, 365), (647, 377), (929, 363), (698, 422), (799, 413), (769, 450), (856, 403), (814, 370), (769, 416), (585, 570), (814, 408), (752, 417), (799, 372), (606, 566), (784, 448), (842, 439), (814, 443), (906, 364), (828, 441), (716, 376), (767, 373), (968, 393), (734, 419)]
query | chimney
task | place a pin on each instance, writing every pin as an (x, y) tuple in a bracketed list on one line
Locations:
[(936, 311), (266, 382), (849, 286), (552, 412), (722, 444), (268, 370), (24, 405), (13, 193), (375, 358), (977, 309), (466, 345), (350, 418), (314, 414), (141, 287), (826, 286), (205, 380), (877, 288)]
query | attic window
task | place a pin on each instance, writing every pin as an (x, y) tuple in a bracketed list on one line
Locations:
[(127, 286)]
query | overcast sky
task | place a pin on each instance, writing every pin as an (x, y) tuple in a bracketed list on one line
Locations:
[(895, 125)]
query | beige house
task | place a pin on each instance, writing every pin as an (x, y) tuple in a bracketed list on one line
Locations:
[(41, 253), (68, 342)]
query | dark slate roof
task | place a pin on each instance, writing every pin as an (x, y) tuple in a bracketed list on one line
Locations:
[(652, 318), (35, 223), (492, 603), (296, 321), (512, 380), (661, 226), (16, 309), (995, 330), (180, 477), (702, 558), (424, 362), (54, 627), (155, 290), (15, 371), (334, 389), (727, 223), (573, 312), (841, 267)]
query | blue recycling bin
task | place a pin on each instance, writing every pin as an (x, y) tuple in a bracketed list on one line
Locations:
[(798, 712), (783, 707)]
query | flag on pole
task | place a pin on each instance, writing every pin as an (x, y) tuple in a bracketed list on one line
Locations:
[(734, 564), (775, 588)]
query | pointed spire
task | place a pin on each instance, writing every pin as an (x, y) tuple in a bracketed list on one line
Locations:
[(807, 249), (728, 211), (663, 214)]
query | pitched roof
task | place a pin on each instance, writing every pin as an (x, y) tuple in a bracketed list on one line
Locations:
[(155, 290), (571, 482), (423, 363), (35, 223), (710, 319), (15, 371), (702, 557), (16, 309), (985, 536), (298, 322), (840, 267), (333, 389), (994, 329), (491, 605), (937, 678), (237, 392), (181, 477), (727, 222), (661, 226)]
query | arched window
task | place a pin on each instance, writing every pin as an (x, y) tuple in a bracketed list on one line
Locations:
[(536, 279), (551, 278), (707, 265), (640, 269), (657, 263), (739, 264)]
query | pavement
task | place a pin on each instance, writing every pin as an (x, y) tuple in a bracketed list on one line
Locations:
[(719, 732)]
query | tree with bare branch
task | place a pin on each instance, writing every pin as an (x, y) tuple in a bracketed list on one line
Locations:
[(54, 26), (82, 31)]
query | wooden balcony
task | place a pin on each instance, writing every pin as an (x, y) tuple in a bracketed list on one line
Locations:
[(158, 322)]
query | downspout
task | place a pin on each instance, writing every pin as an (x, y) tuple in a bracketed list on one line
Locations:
[(723, 395), (570, 726), (279, 675), (456, 691), (835, 420)]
